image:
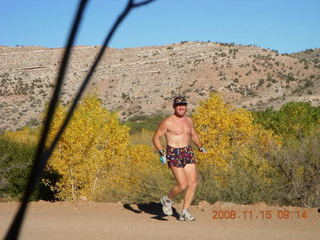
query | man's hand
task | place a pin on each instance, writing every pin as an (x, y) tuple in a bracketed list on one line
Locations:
[(163, 158), (203, 150)]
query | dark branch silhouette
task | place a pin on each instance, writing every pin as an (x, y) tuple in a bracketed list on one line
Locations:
[(132, 4), (42, 155), (116, 24)]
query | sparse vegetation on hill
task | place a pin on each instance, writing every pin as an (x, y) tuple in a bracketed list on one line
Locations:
[(309, 55), (143, 81)]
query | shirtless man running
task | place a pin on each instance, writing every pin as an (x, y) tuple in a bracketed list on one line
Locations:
[(178, 130)]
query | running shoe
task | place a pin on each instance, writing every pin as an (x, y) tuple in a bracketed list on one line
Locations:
[(166, 205), (186, 216)]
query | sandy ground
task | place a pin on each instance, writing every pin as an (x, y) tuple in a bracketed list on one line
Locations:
[(92, 220)]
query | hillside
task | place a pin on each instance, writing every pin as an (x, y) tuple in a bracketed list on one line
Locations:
[(309, 55), (143, 81)]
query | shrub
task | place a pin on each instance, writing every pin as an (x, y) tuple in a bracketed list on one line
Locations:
[(293, 119), (225, 131), (249, 179), (298, 181), (15, 165), (94, 158), (244, 171), (146, 180), (93, 146), (244, 164)]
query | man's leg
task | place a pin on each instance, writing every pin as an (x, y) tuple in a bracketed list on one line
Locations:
[(191, 175), (181, 179), (191, 178)]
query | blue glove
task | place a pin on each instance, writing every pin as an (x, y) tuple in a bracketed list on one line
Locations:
[(163, 158), (203, 150)]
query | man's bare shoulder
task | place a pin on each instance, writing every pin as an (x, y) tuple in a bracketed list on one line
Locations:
[(189, 119), (165, 121)]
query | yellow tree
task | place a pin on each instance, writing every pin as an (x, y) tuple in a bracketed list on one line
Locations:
[(92, 147), (226, 131)]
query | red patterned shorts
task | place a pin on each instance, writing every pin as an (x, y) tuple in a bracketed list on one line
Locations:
[(180, 157)]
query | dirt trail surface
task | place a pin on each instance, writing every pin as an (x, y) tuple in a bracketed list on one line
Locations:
[(92, 220)]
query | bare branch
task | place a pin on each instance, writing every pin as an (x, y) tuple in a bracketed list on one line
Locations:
[(84, 84), (42, 156), (140, 3)]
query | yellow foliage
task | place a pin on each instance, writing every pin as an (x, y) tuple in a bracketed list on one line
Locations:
[(143, 162), (25, 136), (225, 130), (95, 158), (93, 146), (144, 137), (141, 166)]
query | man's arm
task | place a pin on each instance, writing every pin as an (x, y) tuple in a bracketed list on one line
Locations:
[(194, 136), (162, 129)]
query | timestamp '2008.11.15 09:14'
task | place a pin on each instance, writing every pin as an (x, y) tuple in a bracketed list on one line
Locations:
[(259, 214)]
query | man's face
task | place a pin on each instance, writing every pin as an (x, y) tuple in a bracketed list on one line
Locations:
[(180, 110)]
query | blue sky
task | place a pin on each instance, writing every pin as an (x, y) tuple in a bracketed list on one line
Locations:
[(284, 25)]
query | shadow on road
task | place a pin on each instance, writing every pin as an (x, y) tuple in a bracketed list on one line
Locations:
[(152, 208)]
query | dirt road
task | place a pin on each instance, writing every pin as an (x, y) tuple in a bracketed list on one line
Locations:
[(92, 220)]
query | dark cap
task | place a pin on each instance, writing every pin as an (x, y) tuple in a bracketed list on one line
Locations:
[(179, 101)]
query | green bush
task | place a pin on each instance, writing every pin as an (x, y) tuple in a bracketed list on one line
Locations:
[(293, 119), (298, 164), (15, 166)]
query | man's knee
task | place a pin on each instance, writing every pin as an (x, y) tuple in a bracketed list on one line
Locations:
[(183, 186), (192, 184)]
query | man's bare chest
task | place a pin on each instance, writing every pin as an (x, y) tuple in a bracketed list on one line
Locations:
[(180, 128)]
